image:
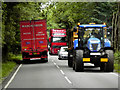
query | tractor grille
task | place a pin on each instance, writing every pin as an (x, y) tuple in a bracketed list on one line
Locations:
[(94, 46)]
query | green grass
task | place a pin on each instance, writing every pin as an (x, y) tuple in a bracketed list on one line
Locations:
[(7, 67), (117, 62), (15, 57)]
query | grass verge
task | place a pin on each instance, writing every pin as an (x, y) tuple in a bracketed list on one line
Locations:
[(7, 67), (117, 62)]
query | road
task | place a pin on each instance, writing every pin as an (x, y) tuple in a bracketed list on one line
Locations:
[(56, 74)]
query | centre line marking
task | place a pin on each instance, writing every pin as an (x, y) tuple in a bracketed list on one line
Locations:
[(62, 72), (57, 66), (68, 80), (13, 76), (54, 63)]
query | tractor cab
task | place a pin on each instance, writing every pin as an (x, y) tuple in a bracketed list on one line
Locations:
[(92, 46)]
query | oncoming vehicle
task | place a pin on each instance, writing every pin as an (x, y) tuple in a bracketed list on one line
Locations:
[(63, 53), (91, 46), (57, 39)]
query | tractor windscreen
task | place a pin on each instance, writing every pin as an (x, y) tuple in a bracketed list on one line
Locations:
[(92, 33)]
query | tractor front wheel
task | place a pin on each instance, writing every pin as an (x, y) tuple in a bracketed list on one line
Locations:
[(109, 66)]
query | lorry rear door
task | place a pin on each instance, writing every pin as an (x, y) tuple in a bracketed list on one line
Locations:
[(40, 32), (26, 35)]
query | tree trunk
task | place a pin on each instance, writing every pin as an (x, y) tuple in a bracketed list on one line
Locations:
[(119, 26)]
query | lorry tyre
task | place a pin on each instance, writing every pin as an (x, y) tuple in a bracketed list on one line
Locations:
[(70, 60), (26, 60), (109, 66), (44, 59), (78, 61)]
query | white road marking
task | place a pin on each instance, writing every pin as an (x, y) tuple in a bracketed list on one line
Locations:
[(115, 74), (13, 76), (54, 63), (68, 80), (62, 72), (57, 66)]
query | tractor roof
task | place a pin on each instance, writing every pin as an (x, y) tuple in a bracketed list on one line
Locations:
[(92, 25)]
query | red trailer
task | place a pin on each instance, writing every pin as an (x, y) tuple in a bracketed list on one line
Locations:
[(57, 40), (34, 40)]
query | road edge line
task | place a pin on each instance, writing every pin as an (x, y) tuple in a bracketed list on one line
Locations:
[(12, 77)]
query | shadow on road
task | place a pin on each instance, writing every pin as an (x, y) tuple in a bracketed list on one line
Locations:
[(86, 69)]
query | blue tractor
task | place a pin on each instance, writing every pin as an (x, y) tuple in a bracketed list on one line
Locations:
[(91, 46)]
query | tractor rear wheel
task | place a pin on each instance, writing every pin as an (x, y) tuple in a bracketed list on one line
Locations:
[(70, 60), (78, 61)]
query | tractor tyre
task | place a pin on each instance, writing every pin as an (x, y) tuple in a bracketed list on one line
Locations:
[(70, 60), (109, 66), (79, 66), (74, 55), (102, 67)]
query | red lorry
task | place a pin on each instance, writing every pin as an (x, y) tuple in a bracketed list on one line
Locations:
[(57, 39), (34, 40)]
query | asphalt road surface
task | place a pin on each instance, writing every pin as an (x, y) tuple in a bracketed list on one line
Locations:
[(57, 74)]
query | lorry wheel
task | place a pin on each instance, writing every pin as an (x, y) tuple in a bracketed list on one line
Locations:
[(109, 66), (78, 61), (44, 59), (26, 60)]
